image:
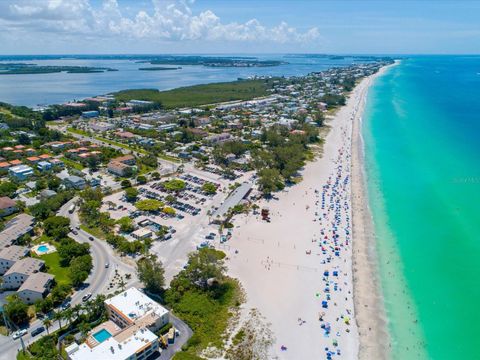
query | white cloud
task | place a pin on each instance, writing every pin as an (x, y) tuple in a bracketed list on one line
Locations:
[(165, 21)]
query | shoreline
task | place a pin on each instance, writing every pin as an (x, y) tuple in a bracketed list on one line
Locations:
[(290, 261), (369, 306)]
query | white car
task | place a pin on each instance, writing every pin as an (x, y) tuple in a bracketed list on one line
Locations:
[(18, 334)]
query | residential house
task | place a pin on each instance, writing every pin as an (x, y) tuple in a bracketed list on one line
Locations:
[(118, 168), (74, 182), (90, 114), (36, 287), (10, 255), (44, 166), (7, 206), (20, 172), (20, 271), (15, 228)]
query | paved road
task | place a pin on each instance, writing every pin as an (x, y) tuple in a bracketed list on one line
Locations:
[(185, 334), (96, 283), (102, 254), (165, 165)]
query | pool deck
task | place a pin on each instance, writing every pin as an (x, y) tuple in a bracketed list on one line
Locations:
[(109, 326), (50, 249)]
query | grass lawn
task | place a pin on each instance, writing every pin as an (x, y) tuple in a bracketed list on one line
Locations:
[(52, 261), (199, 94), (97, 232), (78, 131), (71, 163)]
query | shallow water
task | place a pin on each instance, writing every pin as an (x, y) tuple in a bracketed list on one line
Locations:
[(423, 166), (44, 89)]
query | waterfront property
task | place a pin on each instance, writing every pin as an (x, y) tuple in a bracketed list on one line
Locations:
[(234, 199), (129, 332)]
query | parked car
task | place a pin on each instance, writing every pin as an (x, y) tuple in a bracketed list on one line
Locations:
[(75, 232), (18, 334), (90, 238), (37, 331)]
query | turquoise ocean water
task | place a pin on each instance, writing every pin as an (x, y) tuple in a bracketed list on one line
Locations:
[(422, 140)]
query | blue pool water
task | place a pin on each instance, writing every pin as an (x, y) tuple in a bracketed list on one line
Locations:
[(102, 335), (42, 248)]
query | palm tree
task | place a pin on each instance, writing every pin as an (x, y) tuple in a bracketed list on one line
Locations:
[(122, 283), (47, 323), (77, 309), (68, 315), (58, 316)]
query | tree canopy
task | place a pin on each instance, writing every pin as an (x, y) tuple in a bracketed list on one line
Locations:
[(149, 205)]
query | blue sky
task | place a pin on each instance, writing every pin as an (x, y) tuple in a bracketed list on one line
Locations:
[(232, 26)]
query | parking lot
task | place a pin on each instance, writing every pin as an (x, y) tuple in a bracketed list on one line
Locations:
[(185, 231)]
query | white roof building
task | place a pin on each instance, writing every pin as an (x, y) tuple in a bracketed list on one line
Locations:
[(129, 332)]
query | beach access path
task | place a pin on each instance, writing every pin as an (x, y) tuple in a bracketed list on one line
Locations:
[(283, 264)]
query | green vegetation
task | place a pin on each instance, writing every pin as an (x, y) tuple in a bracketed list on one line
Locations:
[(50, 206), (209, 188), (149, 205), (175, 185), (8, 188), (78, 131), (151, 273), (72, 164), (131, 193), (211, 61), (52, 262), (204, 297), (126, 224), (199, 94), (282, 156), (16, 310), (22, 68)]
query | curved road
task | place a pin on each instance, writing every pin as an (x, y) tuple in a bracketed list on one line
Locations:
[(96, 283)]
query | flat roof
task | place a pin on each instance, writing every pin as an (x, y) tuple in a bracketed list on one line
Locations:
[(37, 282), (114, 349), (13, 252), (233, 199), (134, 304)]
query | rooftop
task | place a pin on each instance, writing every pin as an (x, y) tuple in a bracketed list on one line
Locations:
[(13, 252), (6, 202), (26, 266), (114, 349), (36, 282), (233, 199), (134, 304)]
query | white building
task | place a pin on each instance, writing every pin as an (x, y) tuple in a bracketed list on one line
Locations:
[(129, 332), (20, 172), (36, 287), (20, 271), (10, 255)]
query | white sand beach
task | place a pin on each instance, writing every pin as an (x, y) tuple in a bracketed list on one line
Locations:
[(297, 269)]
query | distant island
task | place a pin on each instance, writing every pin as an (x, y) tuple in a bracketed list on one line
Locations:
[(213, 61), (24, 68), (159, 68)]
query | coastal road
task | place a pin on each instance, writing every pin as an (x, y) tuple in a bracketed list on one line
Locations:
[(102, 254), (96, 283)]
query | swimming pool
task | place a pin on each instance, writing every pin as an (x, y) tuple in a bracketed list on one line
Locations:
[(42, 248), (102, 335)]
